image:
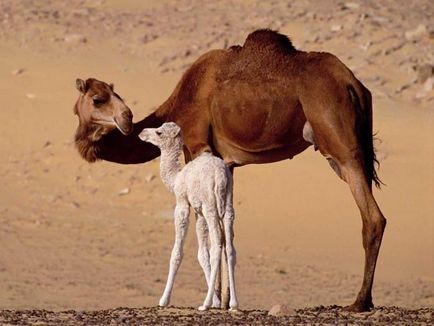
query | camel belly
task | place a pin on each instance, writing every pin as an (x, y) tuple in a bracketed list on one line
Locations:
[(257, 119), (234, 155)]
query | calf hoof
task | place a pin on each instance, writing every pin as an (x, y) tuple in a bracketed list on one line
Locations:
[(202, 308), (163, 302), (215, 303)]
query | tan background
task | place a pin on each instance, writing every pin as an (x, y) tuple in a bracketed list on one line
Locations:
[(69, 240)]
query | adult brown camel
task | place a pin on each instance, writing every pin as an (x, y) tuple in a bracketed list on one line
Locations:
[(261, 102)]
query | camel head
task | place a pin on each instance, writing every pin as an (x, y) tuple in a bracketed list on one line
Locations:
[(100, 110), (167, 136)]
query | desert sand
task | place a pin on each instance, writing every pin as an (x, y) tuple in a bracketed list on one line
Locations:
[(85, 236)]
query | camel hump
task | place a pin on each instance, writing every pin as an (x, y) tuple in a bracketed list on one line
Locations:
[(269, 39)]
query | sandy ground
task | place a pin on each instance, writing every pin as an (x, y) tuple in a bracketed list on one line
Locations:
[(69, 239)]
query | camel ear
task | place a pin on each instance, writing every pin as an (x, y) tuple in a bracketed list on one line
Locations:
[(81, 85), (112, 86)]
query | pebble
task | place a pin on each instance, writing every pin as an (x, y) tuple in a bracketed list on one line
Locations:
[(30, 95), (18, 71), (336, 28), (281, 310), (351, 5), (75, 38), (416, 34), (423, 72), (150, 177), (124, 191)]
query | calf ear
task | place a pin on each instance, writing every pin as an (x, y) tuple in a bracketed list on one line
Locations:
[(175, 131), (81, 85), (112, 86)]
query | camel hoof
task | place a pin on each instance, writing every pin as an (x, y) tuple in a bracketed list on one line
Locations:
[(359, 307), (233, 309)]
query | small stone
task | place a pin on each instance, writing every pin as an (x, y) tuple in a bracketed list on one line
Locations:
[(416, 34), (428, 86), (75, 38), (18, 71), (150, 177), (423, 72), (124, 191), (351, 5), (30, 95), (336, 28), (281, 310), (75, 204)]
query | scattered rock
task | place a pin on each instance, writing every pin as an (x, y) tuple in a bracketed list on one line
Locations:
[(30, 95), (336, 28), (402, 88), (351, 5), (281, 310), (124, 191), (150, 177), (281, 271), (423, 72), (428, 86), (366, 46), (18, 71), (416, 34), (75, 38), (46, 144), (75, 204)]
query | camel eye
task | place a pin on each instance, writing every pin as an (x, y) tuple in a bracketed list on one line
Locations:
[(98, 100), (158, 133)]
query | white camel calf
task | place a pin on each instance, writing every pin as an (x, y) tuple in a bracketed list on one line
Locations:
[(206, 185)]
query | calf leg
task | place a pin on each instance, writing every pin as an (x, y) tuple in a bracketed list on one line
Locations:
[(228, 222), (181, 225), (215, 251), (203, 253)]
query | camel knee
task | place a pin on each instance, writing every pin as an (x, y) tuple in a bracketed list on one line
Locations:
[(373, 232)]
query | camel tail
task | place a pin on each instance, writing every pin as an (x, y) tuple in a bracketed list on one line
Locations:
[(365, 134)]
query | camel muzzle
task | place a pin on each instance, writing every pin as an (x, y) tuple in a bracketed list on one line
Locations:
[(124, 123)]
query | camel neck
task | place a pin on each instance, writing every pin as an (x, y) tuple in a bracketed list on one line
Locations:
[(170, 166), (115, 147)]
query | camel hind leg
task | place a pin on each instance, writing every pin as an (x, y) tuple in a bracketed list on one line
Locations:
[(374, 224), (352, 171), (343, 134)]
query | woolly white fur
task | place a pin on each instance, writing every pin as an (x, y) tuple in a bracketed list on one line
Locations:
[(206, 185)]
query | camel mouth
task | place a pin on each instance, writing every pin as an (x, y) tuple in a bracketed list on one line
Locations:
[(126, 128)]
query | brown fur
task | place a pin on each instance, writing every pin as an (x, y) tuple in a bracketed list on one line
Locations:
[(249, 105)]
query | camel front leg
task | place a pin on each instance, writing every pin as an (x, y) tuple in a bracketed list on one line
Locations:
[(181, 227), (203, 253)]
